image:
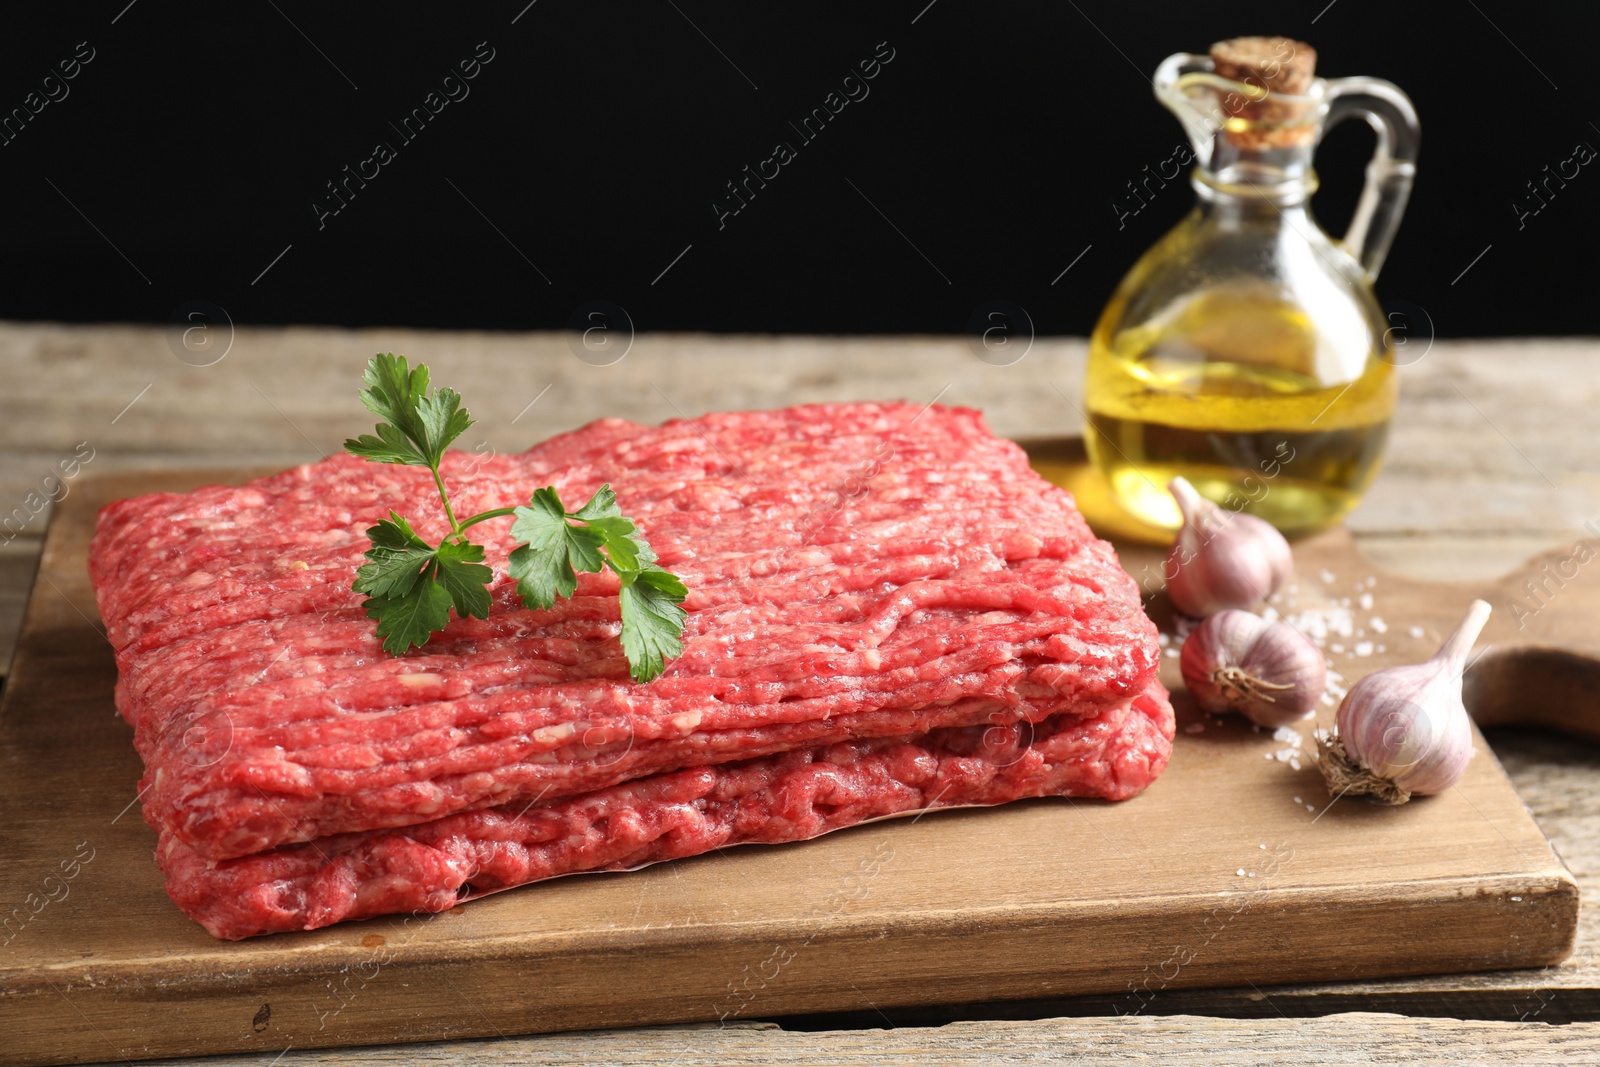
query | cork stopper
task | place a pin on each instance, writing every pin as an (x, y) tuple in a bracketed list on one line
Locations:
[(1277, 64), (1283, 67)]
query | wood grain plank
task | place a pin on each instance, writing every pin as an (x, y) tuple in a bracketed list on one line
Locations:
[(1490, 436), (1354, 1039), (1456, 557), (19, 559)]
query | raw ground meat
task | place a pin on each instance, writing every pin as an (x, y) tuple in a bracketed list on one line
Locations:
[(788, 797), (855, 571)]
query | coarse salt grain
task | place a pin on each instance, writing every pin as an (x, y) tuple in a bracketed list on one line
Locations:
[(1326, 575), (1365, 601), (1317, 625), (1378, 625), (1363, 648), (1337, 648), (1195, 728), (1287, 735), (1416, 631), (1240, 872)]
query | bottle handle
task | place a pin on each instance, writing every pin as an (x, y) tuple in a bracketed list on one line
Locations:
[(1394, 163)]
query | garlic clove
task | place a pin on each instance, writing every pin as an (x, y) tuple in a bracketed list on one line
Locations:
[(1404, 731), (1222, 559), (1268, 671)]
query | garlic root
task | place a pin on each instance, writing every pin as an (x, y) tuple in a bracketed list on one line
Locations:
[(1344, 775)]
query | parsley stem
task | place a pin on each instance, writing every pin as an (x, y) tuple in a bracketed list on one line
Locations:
[(481, 516), (455, 527)]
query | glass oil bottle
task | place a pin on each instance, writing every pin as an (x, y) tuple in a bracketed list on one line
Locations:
[(1245, 350)]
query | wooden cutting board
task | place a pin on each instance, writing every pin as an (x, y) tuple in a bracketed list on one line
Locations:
[(1233, 868)]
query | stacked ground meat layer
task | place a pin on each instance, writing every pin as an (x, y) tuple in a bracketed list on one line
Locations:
[(888, 611)]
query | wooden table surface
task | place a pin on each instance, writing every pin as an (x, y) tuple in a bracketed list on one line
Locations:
[(1489, 463)]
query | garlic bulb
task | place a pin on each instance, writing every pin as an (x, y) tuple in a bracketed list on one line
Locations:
[(1269, 671), (1404, 731), (1222, 559)]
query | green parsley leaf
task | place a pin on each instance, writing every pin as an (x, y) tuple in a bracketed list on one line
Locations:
[(603, 505), (541, 577), (391, 388), (625, 550), (652, 621), (461, 571), (441, 420), (419, 424), (411, 585), (404, 621), (397, 557), (546, 566), (390, 446)]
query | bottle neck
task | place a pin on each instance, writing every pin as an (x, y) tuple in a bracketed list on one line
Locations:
[(1246, 190)]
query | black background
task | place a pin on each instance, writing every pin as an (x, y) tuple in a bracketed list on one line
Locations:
[(597, 138)]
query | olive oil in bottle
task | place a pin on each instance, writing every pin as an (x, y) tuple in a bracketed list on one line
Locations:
[(1227, 394), (1245, 350)]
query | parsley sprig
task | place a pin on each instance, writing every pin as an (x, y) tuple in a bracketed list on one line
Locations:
[(411, 585)]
